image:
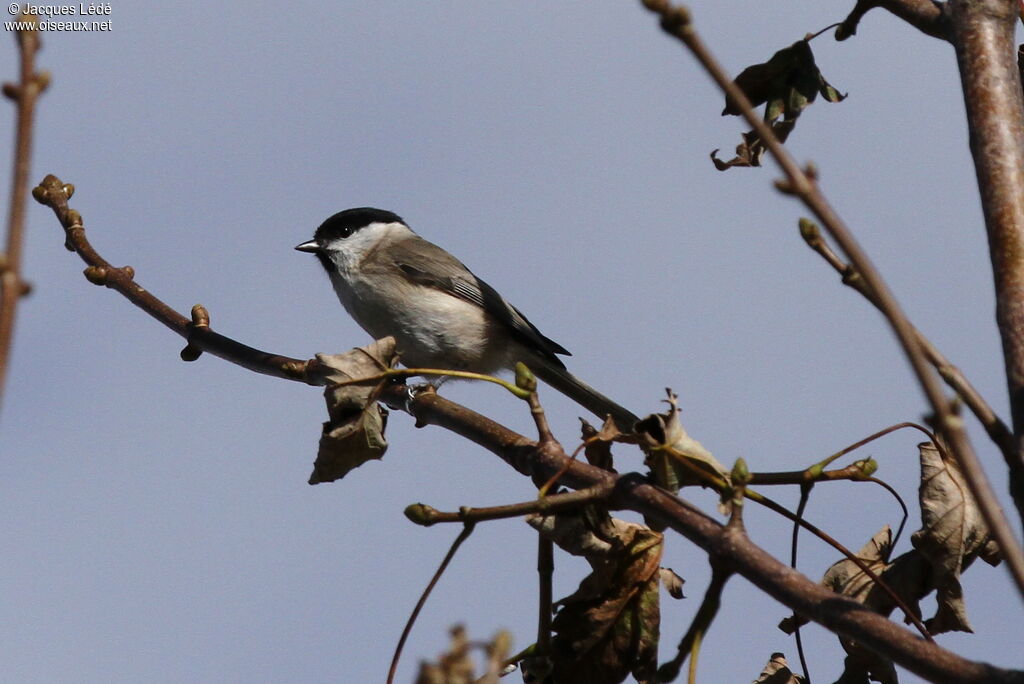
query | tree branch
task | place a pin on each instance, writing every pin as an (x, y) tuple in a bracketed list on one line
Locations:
[(725, 545), (425, 515), (983, 32), (676, 22), (927, 16), (55, 194), (631, 491), (24, 95)]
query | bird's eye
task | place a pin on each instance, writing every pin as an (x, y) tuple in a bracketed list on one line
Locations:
[(347, 231)]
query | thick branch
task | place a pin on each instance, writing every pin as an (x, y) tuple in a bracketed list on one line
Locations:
[(24, 94), (983, 33)]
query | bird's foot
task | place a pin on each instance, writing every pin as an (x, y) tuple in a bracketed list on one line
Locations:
[(413, 391)]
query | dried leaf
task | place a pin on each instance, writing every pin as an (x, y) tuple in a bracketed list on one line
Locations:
[(672, 583), (360, 362), (790, 77), (847, 579), (786, 84), (497, 653), (777, 672), (598, 449), (454, 666), (862, 665), (844, 577), (355, 432), (952, 534), (609, 628), (750, 151), (345, 447), (672, 455)]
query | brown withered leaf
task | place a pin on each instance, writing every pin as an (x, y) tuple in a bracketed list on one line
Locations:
[(844, 577), (454, 666), (355, 432), (750, 151), (672, 583), (903, 576), (672, 455), (786, 84), (608, 628), (598, 449), (953, 533), (777, 672), (497, 652), (952, 536)]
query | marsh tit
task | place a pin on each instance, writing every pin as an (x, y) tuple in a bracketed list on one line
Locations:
[(393, 282)]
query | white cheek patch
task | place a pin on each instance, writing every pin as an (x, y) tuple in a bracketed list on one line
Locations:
[(348, 252)]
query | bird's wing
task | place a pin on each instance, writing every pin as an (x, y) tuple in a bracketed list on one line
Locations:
[(431, 266)]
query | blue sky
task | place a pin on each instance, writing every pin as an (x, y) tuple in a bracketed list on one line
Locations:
[(158, 522)]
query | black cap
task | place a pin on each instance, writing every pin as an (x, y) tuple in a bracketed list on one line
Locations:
[(344, 223)]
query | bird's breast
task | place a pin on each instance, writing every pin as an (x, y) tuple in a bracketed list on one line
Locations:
[(433, 329)]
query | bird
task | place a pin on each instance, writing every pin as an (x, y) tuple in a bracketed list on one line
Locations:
[(393, 282)]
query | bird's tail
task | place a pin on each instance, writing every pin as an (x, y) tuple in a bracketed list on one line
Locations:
[(584, 395)]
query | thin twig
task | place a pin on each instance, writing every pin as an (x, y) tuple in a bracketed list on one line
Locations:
[(545, 573), (54, 193), (811, 36), (805, 494), (540, 419), (858, 470), (903, 505), (393, 373), (676, 22), (925, 15), (870, 438), (542, 491), (463, 535), (425, 515), (24, 94)]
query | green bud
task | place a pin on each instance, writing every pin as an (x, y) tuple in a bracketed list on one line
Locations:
[(420, 513), (525, 379), (740, 475)]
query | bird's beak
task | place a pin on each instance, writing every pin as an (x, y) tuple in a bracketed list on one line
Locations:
[(310, 247)]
